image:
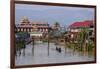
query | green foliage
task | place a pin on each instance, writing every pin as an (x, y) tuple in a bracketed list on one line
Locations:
[(21, 33), (45, 40), (69, 45), (56, 24), (19, 45), (90, 46)]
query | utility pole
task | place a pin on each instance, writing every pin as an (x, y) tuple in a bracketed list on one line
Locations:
[(33, 47), (48, 42), (48, 46), (65, 44)]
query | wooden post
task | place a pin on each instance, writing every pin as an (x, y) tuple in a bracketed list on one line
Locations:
[(24, 49), (48, 42), (48, 46), (33, 48), (65, 45)]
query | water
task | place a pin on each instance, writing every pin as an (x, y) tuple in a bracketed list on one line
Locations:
[(41, 55)]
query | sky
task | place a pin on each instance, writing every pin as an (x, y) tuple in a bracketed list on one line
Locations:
[(51, 14)]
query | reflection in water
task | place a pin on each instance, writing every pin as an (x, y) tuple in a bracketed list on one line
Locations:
[(40, 55)]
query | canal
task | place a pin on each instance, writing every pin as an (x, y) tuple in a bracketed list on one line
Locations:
[(41, 55)]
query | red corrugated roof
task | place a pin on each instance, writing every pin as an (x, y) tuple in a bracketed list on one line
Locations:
[(81, 24)]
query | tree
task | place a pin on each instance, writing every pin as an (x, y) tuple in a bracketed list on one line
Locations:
[(56, 26), (83, 37)]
